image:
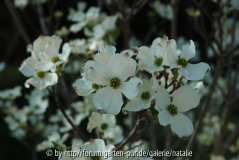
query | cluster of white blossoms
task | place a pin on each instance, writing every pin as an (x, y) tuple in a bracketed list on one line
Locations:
[(112, 76), (45, 61)]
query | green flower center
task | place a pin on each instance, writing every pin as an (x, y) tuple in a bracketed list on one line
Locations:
[(95, 86), (68, 148), (37, 107), (95, 157), (55, 59), (172, 109), (41, 74), (158, 61), (145, 95), (87, 49), (183, 62), (115, 82), (104, 126)]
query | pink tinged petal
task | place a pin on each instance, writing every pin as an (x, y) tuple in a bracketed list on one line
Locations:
[(28, 67), (188, 51), (66, 52), (170, 53), (128, 51), (131, 88), (135, 105), (185, 98), (94, 145), (108, 99), (162, 99), (195, 71), (45, 66), (122, 66), (99, 74), (182, 125), (165, 118)]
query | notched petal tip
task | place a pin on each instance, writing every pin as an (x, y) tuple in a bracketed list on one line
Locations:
[(127, 55), (91, 140), (138, 84), (124, 111)]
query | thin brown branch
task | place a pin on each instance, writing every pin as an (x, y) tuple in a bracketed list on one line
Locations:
[(59, 105)]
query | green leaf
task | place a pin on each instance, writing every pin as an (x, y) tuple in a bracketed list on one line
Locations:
[(57, 146)]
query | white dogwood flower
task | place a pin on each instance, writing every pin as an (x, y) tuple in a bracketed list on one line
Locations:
[(38, 78), (143, 98), (85, 87), (184, 99), (98, 145), (113, 76), (50, 58), (109, 24), (104, 123), (83, 19), (190, 71)]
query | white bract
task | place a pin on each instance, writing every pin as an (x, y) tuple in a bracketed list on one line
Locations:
[(143, 98), (113, 76), (184, 99), (104, 123)]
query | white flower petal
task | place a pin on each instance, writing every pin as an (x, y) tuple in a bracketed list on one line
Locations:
[(109, 119), (99, 74), (195, 71), (94, 145), (45, 65), (122, 66), (50, 79), (135, 105), (66, 50), (182, 125), (95, 120), (170, 54), (128, 51), (77, 27), (188, 51), (162, 99), (153, 68), (165, 118), (130, 89), (185, 98), (83, 87), (108, 99), (28, 67)]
